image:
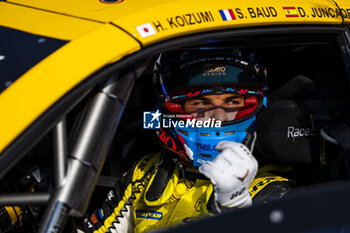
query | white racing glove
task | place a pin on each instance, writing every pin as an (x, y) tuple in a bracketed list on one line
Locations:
[(231, 173)]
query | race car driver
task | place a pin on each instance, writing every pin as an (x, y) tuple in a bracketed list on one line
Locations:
[(209, 103)]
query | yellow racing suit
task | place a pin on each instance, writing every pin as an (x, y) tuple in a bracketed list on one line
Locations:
[(158, 192)]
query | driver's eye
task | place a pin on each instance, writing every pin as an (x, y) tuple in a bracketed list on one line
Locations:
[(234, 102), (201, 103)]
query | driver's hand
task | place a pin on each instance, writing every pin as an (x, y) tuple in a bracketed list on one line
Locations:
[(231, 173)]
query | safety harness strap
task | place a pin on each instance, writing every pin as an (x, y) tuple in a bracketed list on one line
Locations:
[(329, 117), (162, 177)]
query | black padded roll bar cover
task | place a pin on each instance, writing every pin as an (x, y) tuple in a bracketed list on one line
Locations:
[(296, 88), (285, 133)]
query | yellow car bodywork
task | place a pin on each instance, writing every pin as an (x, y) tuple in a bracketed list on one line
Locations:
[(101, 33)]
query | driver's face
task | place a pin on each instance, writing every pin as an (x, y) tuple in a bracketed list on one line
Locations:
[(214, 106)]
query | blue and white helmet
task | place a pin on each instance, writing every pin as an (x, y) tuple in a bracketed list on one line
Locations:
[(187, 89)]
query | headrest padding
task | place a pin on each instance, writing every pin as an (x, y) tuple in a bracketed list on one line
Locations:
[(285, 133)]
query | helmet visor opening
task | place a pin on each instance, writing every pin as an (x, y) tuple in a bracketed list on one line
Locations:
[(227, 107)]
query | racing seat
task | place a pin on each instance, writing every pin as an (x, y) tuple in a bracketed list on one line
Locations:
[(299, 129)]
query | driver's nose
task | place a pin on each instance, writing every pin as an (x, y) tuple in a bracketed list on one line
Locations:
[(220, 114)]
